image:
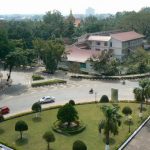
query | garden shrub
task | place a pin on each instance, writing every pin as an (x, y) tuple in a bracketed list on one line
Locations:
[(127, 110), (49, 82), (104, 99), (37, 77), (72, 102), (79, 145), (1, 118)]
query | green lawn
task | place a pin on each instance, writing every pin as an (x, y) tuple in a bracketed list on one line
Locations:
[(89, 113)]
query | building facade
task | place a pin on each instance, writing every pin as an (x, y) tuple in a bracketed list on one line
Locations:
[(89, 45), (120, 43)]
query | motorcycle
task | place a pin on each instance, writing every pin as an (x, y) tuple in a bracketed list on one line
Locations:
[(91, 91)]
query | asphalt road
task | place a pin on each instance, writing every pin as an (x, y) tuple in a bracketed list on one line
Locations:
[(20, 96)]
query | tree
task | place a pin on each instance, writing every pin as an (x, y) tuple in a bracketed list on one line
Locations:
[(142, 93), (79, 145), (49, 137), (53, 24), (36, 107), (15, 58), (72, 102), (104, 99), (127, 111), (111, 122), (105, 64), (5, 45), (1, 117), (74, 67), (21, 126), (67, 113), (137, 61), (50, 52)]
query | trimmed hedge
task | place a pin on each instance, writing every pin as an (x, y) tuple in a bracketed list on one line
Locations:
[(37, 77), (72, 102), (79, 145), (104, 99), (49, 82), (68, 131), (110, 77)]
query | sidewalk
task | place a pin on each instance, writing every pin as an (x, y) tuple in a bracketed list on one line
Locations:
[(142, 140)]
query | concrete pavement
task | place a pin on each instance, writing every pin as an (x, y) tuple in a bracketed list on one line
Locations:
[(142, 140)]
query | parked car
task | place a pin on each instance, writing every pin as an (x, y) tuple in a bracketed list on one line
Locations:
[(47, 99), (4, 110)]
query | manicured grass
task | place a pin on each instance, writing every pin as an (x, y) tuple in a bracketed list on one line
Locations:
[(90, 114)]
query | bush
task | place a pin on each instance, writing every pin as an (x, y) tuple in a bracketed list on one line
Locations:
[(49, 82), (127, 110), (104, 99), (72, 102), (1, 118), (57, 127), (37, 77), (79, 145)]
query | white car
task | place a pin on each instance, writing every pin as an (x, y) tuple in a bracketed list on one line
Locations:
[(47, 99)]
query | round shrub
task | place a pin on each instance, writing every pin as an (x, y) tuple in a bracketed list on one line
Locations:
[(72, 102), (37, 77), (1, 118), (127, 110), (104, 99), (79, 145)]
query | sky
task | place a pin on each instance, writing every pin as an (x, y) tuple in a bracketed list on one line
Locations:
[(64, 6)]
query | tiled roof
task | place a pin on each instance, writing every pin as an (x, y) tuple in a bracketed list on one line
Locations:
[(99, 38), (126, 36), (76, 54)]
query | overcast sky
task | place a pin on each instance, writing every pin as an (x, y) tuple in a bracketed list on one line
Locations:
[(64, 6)]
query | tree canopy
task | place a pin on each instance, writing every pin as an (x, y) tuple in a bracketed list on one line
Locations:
[(67, 113)]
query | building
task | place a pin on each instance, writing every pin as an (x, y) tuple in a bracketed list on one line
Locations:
[(89, 11), (120, 43), (89, 45)]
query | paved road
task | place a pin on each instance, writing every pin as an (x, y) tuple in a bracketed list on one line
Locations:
[(20, 97), (142, 140)]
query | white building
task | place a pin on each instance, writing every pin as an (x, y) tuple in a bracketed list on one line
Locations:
[(89, 45), (120, 43)]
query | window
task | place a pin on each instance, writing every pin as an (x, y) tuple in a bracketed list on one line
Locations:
[(105, 44), (110, 44), (98, 43), (97, 49), (82, 65)]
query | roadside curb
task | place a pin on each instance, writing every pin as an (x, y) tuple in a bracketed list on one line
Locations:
[(133, 135)]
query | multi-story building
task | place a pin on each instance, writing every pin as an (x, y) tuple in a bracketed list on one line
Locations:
[(120, 43), (88, 45)]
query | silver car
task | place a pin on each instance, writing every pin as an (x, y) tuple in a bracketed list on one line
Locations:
[(47, 99)]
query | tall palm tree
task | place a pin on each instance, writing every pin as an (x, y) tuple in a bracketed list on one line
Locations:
[(111, 122), (142, 93)]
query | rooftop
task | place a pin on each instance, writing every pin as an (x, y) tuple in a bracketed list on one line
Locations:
[(76, 54), (99, 38), (126, 36)]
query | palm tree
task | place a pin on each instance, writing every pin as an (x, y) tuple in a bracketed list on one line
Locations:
[(142, 93), (111, 122)]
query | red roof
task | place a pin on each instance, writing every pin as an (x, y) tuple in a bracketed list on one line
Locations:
[(76, 54), (126, 36)]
